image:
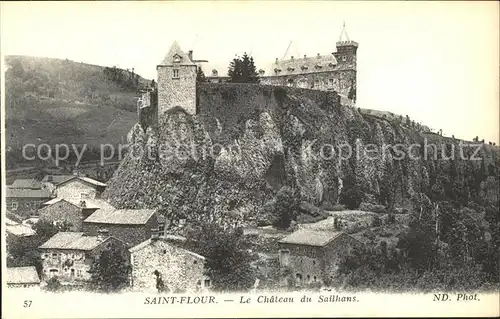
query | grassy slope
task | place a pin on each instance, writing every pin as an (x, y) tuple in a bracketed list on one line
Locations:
[(55, 101)]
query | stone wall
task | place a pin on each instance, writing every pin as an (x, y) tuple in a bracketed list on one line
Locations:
[(179, 91), (305, 262), (131, 234), (336, 249), (74, 190), (180, 269), (335, 80), (63, 211), (26, 207)]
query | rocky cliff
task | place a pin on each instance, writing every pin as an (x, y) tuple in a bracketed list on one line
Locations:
[(248, 141)]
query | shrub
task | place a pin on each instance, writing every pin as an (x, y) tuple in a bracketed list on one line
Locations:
[(53, 284), (351, 197)]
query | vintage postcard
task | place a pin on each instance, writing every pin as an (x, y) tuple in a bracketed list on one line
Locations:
[(216, 159)]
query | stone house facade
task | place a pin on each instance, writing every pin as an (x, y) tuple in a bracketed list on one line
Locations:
[(25, 202), (70, 255), (72, 212), (74, 187), (176, 81), (181, 270), (132, 226), (313, 256)]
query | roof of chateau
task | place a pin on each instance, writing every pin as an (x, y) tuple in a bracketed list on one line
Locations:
[(22, 275), (310, 237), (121, 216), (176, 56), (302, 65)]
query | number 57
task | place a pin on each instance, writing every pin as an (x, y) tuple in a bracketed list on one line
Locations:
[(27, 304)]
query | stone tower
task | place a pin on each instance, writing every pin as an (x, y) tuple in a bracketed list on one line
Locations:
[(176, 81), (346, 63)]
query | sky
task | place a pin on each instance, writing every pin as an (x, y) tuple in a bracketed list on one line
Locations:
[(437, 62)]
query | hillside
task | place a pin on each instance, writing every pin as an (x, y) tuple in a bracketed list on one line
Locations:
[(265, 133), (62, 101)]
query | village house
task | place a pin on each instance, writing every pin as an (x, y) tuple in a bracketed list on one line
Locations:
[(22, 277), (313, 256), (133, 226), (69, 255), (26, 201), (179, 269), (71, 211), (73, 186)]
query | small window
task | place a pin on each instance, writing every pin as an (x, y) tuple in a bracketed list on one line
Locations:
[(314, 279), (72, 272), (54, 255), (14, 206), (308, 278), (195, 262), (175, 74), (330, 82), (79, 273), (314, 262), (198, 283), (207, 282), (164, 251), (344, 58)]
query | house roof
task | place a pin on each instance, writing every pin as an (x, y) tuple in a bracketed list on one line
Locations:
[(13, 217), (61, 179), (89, 203), (20, 230), (26, 183), (310, 237), (10, 222), (27, 193), (121, 216), (148, 242), (73, 241), (176, 56), (57, 179), (22, 275)]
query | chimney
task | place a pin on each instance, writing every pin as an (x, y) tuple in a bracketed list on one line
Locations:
[(318, 56), (102, 234), (305, 56), (83, 204), (291, 57), (190, 55), (276, 61), (154, 234)]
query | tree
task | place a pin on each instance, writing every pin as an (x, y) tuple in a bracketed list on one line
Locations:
[(227, 257), (200, 75), (285, 208), (351, 194), (46, 229), (243, 70), (110, 271)]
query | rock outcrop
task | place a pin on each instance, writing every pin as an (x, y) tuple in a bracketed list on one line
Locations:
[(248, 141)]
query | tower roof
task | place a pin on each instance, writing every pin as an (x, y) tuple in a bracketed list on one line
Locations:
[(344, 38), (176, 56)]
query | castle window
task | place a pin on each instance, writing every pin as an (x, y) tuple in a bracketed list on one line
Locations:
[(344, 58), (330, 82), (175, 74), (314, 278)]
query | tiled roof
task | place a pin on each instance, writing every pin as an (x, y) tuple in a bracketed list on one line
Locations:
[(57, 179), (72, 241), (310, 237), (27, 193), (61, 179), (22, 275), (26, 183), (301, 65), (121, 216), (176, 56), (20, 230), (89, 203)]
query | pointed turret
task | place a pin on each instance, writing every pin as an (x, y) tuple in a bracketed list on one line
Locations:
[(176, 56)]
